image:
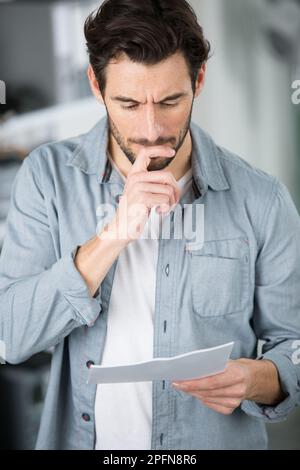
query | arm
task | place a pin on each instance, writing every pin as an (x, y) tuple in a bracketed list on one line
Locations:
[(268, 387), (276, 316), (42, 298), (105, 246)]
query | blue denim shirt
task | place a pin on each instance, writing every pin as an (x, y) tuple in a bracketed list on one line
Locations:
[(241, 285)]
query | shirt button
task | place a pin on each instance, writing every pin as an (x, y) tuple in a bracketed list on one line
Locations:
[(86, 417), (167, 270), (89, 364)]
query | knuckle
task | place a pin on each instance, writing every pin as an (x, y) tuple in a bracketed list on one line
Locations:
[(211, 387), (130, 182), (141, 198), (171, 178), (136, 177), (235, 403), (138, 186), (170, 191)]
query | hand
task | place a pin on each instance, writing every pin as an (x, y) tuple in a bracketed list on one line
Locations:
[(144, 190), (222, 392)]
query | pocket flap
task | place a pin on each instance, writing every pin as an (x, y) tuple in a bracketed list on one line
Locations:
[(230, 248)]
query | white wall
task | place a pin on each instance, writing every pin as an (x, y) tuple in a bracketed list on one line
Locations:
[(246, 105)]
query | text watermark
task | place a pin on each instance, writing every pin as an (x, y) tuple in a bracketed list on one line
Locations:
[(296, 353), (2, 352), (183, 222), (296, 93), (2, 92)]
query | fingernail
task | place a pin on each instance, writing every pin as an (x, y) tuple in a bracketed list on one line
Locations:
[(175, 384)]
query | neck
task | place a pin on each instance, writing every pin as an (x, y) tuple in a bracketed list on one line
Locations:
[(179, 166)]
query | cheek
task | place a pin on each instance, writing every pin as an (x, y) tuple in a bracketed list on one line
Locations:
[(178, 118), (122, 124)]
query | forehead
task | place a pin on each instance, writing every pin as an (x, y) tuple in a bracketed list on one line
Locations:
[(125, 76)]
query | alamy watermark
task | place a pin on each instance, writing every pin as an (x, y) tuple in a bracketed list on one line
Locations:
[(183, 222), (296, 93), (2, 352), (296, 353), (2, 92)]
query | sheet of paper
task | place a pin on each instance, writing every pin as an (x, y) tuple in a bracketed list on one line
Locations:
[(196, 364)]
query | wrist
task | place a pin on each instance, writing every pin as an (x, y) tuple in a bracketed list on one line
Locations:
[(263, 384), (112, 236), (250, 372)]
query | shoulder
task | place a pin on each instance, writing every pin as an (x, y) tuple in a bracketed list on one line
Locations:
[(56, 153), (244, 176)]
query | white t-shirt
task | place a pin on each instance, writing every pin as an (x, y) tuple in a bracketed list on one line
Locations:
[(123, 412)]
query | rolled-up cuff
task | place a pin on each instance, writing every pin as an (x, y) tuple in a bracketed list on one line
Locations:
[(72, 286)]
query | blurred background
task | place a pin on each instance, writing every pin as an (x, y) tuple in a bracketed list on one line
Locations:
[(246, 106)]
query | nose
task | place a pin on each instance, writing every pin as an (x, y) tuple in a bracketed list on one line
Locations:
[(152, 128)]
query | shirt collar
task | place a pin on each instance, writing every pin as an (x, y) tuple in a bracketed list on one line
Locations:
[(90, 156)]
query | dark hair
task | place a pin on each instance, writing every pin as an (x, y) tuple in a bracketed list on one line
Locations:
[(148, 31)]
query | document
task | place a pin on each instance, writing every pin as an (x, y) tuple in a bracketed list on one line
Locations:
[(192, 365)]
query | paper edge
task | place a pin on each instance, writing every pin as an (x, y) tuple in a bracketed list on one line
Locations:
[(215, 348)]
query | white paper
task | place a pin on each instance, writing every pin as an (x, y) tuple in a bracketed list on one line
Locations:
[(196, 364)]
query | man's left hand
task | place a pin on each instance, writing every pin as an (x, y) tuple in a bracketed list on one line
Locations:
[(225, 392)]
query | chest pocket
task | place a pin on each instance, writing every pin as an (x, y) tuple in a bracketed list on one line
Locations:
[(219, 276)]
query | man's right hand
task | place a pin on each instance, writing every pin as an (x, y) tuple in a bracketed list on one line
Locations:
[(143, 191)]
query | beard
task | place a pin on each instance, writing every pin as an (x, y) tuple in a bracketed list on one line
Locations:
[(157, 163)]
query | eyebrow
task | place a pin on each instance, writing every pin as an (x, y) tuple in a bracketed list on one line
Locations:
[(124, 99)]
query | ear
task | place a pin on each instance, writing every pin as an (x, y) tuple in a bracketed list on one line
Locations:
[(94, 84), (200, 82)]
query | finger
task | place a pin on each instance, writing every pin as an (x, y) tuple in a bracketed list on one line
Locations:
[(219, 409), (219, 381), (236, 391), (153, 200), (162, 177), (144, 158), (225, 402), (223, 408), (153, 188)]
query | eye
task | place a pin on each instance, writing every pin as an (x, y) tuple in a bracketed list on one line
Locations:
[(165, 105), (134, 106), (169, 105)]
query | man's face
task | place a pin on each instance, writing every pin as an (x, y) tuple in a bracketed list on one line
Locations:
[(149, 105)]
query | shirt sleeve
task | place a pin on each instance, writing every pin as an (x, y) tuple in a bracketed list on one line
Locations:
[(276, 316), (42, 298)]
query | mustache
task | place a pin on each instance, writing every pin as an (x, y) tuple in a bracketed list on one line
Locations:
[(145, 143)]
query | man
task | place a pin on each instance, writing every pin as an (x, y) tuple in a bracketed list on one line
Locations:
[(110, 295)]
